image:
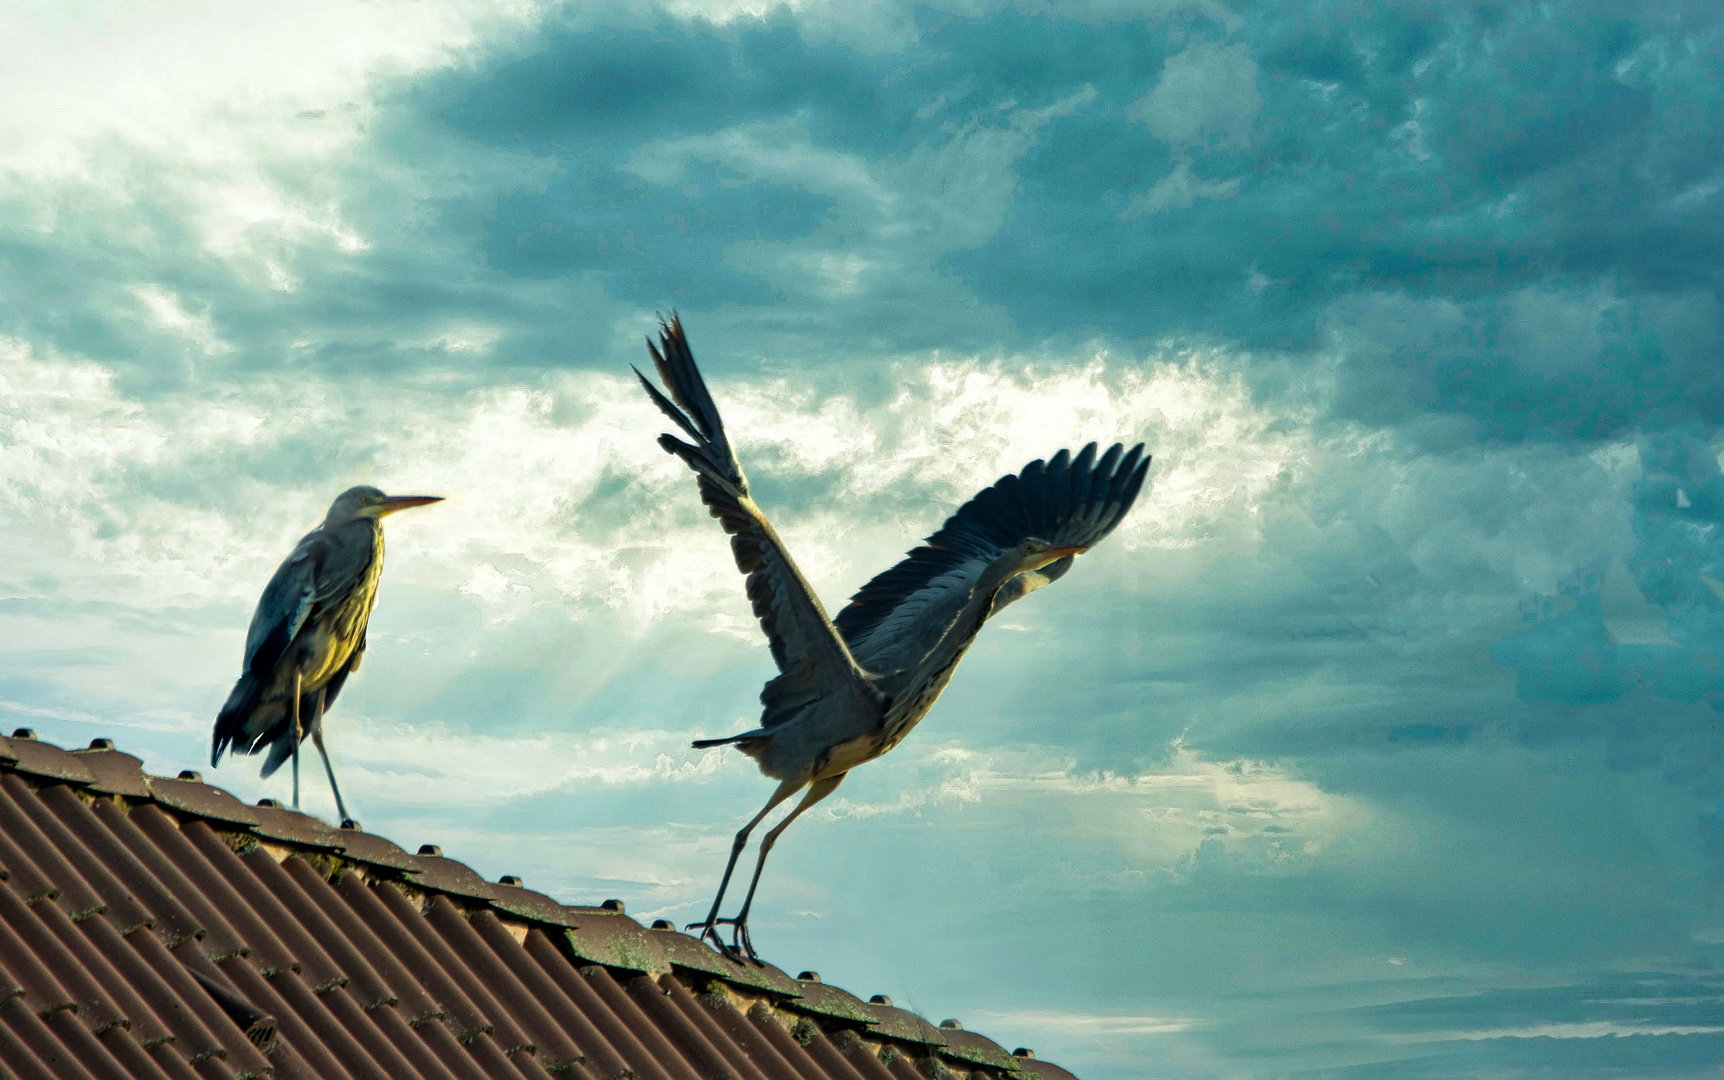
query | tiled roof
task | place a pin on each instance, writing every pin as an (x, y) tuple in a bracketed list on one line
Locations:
[(160, 928)]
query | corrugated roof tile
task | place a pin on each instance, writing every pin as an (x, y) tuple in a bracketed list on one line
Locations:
[(147, 923)]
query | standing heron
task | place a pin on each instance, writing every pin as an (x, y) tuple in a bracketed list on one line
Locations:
[(849, 689), (308, 634)]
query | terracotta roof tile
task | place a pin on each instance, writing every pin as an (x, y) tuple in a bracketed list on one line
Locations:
[(148, 924)]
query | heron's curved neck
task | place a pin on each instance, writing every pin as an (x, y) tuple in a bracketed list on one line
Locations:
[(936, 665)]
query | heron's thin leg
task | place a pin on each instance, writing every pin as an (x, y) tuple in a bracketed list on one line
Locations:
[(317, 740), (296, 729), (816, 791), (785, 790)]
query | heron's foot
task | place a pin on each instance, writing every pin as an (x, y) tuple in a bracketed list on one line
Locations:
[(709, 932), (739, 940), (739, 946)]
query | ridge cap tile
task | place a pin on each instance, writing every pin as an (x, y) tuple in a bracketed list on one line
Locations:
[(687, 951), (115, 772), (294, 827), (906, 1026), (1044, 1069), (204, 800), (45, 759), (446, 875), (529, 904), (378, 851), (979, 1049), (615, 940), (834, 1001)]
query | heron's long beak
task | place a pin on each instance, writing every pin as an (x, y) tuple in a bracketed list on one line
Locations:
[(393, 503), (1055, 553)]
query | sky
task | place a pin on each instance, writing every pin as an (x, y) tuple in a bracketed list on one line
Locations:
[(1382, 740)]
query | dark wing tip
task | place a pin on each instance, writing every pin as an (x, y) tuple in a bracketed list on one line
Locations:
[(1064, 499), (1128, 494)]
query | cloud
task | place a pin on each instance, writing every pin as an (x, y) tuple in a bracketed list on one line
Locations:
[(1206, 93), (1178, 190), (1162, 820)]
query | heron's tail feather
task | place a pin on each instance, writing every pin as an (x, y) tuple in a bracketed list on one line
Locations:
[(691, 408), (279, 737), (747, 737), (231, 721), (280, 749)]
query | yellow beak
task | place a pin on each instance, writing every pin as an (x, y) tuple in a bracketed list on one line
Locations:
[(392, 503)]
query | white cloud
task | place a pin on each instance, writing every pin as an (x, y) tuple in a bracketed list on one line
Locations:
[(1104, 1025), (430, 766), (1206, 94), (1178, 190), (1256, 813), (211, 81), (564, 486), (1578, 1029), (237, 117), (894, 215)]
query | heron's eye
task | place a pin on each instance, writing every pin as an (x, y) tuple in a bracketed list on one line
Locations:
[(1034, 548)]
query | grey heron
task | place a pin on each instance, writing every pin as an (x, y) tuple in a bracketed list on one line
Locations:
[(308, 635), (849, 689)]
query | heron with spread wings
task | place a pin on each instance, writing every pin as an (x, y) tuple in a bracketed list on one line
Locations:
[(308, 635), (849, 689)]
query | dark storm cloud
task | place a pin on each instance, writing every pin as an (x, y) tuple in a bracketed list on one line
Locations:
[(1503, 212), (1508, 213), (1653, 621)]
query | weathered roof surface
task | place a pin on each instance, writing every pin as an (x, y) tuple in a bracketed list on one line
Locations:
[(160, 928)]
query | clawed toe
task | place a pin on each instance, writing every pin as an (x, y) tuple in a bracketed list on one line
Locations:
[(739, 946)]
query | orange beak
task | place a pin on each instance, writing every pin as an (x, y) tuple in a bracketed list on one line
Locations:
[(393, 503), (1057, 553)]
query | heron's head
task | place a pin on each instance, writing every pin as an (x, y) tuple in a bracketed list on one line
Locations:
[(1034, 554), (365, 501), (1031, 565)]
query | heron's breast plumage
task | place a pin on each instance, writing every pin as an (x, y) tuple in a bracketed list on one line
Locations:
[(330, 636)]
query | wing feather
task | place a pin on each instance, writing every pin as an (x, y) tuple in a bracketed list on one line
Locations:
[(811, 656), (303, 582), (281, 611), (1063, 501)]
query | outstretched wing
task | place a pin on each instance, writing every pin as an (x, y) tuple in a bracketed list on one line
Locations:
[(810, 654), (1061, 502)]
